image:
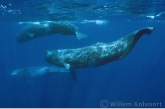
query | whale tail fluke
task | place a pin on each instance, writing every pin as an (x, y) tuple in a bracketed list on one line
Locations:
[(137, 34), (148, 30), (80, 36)]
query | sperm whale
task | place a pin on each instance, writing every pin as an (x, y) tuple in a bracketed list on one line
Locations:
[(96, 55), (41, 29), (38, 71)]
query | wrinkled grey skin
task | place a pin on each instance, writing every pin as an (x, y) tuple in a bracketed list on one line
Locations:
[(42, 29), (97, 54), (31, 72)]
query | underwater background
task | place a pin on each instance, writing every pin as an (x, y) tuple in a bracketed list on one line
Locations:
[(137, 78)]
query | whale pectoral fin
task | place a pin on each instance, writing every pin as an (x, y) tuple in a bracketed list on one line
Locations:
[(73, 73)]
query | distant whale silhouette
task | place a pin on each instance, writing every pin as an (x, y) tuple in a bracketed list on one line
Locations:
[(42, 29), (31, 72), (97, 54)]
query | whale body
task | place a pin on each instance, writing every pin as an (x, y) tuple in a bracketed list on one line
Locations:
[(35, 30), (31, 72), (97, 54)]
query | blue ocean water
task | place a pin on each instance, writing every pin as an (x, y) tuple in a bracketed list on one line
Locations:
[(134, 81)]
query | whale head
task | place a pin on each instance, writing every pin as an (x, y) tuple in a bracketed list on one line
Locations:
[(14, 73), (24, 73)]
